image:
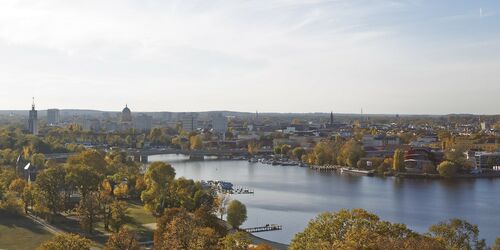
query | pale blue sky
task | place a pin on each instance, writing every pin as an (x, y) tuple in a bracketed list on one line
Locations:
[(387, 56)]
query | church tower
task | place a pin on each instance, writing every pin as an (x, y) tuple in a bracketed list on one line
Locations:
[(33, 120)]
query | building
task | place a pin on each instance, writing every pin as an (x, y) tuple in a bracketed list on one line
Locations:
[(380, 141), (487, 159), (189, 122), (53, 116), (33, 120), (143, 122), (219, 125), (126, 114)]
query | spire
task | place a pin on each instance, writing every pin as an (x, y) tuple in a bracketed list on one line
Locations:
[(33, 103), (331, 118)]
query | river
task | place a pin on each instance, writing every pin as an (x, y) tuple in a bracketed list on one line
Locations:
[(291, 196)]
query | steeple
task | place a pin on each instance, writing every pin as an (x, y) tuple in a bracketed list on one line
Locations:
[(33, 103), (331, 118)]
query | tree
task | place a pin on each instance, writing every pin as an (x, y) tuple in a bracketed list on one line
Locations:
[(28, 197), (447, 169), (88, 211), (285, 149), (496, 246), (355, 229), (195, 142), (66, 242), (236, 213), (105, 200), (458, 234), (221, 204), (118, 214), (253, 148), (158, 179), (121, 191), (298, 152), (177, 229), (398, 161), (235, 241), (350, 153), (83, 178), (277, 150), (122, 240), (50, 186)]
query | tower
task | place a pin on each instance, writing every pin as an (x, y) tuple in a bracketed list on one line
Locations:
[(33, 119), (331, 118)]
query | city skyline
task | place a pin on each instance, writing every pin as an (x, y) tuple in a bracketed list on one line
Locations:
[(387, 57)]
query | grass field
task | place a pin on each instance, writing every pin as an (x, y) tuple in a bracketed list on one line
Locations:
[(18, 232)]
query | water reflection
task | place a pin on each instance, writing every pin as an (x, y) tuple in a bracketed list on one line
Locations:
[(291, 196)]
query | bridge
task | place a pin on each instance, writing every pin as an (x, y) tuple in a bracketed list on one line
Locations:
[(143, 154)]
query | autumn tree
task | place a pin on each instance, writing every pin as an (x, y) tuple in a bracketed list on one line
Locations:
[(122, 240), (398, 161), (236, 213), (50, 187), (235, 241), (253, 147), (447, 169), (83, 178), (355, 229), (118, 214), (88, 211), (195, 142), (157, 196), (66, 242), (458, 234)]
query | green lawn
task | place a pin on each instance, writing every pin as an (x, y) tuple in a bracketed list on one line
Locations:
[(139, 215), (18, 232)]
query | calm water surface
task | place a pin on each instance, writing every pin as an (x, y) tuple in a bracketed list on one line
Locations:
[(291, 196)]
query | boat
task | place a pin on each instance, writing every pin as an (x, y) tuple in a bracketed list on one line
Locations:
[(350, 170)]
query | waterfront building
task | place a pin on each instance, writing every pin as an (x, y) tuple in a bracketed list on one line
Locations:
[(487, 159), (53, 116), (33, 120)]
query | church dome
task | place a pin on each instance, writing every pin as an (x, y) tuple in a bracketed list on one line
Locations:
[(126, 114)]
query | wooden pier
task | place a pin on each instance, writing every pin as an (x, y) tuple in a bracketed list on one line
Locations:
[(265, 228)]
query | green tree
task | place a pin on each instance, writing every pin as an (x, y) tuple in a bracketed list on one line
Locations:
[(458, 234), (235, 241), (298, 152), (398, 161), (66, 242), (122, 240), (447, 169), (236, 213), (157, 196)]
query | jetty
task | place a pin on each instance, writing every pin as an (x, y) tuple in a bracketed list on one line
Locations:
[(325, 168), (266, 228)]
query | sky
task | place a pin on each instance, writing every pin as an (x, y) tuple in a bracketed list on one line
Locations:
[(385, 56)]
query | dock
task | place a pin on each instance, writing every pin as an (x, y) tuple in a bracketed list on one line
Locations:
[(265, 228), (325, 168)]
